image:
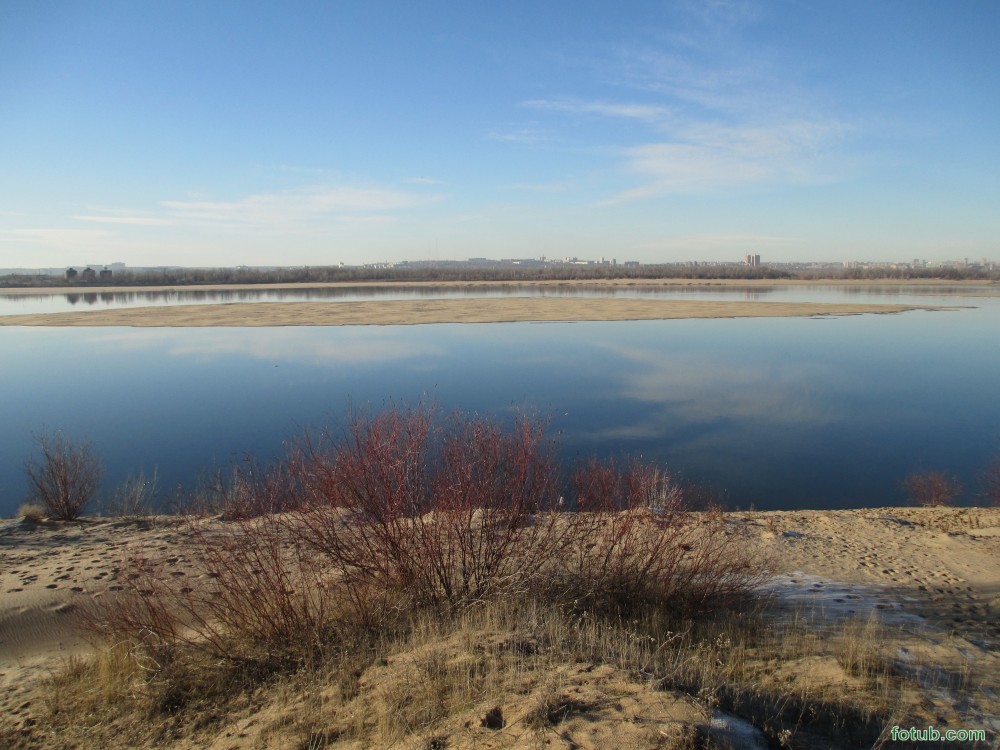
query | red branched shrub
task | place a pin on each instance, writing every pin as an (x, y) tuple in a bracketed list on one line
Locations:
[(448, 514), (634, 540), (932, 488), (255, 593), (493, 526), (404, 509)]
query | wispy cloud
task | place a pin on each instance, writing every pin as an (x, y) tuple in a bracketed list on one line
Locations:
[(689, 154), (310, 214), (54, 237), (645, 112), (541, 187), (725, 13), (706, 156), (50, 246), (144, 221), (726, 241), (525, 135), (302, 205), (344, 346), (721, 110)]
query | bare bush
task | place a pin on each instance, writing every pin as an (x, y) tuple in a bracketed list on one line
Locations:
[(244, 490), (991, 482), (64, 478), (135, 497), (452, 513), (253, 490), (405, 512), (448, 514), (636, 541), (258, 596), (932, 489), (494, 527)]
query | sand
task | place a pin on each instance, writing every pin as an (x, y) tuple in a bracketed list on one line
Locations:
[(937, 570), (411, 312)]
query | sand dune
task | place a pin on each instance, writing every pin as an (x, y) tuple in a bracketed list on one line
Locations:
[(936, 568)]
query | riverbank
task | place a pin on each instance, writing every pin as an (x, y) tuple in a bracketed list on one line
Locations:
[(916, 590), (957, 286)]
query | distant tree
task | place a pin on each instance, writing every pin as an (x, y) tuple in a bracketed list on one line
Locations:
[(932, 489), (64, 478)]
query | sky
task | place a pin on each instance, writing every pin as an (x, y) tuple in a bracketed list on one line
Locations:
[(217, 133)]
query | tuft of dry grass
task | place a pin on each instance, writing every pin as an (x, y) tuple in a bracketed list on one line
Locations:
[(135, 497), (31, 512)]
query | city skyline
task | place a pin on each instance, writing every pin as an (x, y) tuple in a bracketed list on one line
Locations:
[(221, 134)]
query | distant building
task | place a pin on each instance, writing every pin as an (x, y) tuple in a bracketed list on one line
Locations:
[(71, 274), (89, 274), (751, 261), (105, 273)]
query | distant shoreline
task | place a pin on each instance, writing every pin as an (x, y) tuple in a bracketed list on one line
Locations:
[(453, 284)]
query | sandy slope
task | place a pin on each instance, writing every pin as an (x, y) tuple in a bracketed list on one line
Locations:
[(934, 571)]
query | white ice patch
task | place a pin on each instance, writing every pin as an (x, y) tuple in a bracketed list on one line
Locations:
[(836, 600), (728, 731)]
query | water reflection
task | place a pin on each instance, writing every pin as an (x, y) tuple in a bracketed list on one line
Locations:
[(14, 304), (286, 346)]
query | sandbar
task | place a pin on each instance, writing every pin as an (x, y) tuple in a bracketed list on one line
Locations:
[(425, 311)]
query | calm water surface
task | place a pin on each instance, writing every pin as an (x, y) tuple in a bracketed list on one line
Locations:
[(778, 413)]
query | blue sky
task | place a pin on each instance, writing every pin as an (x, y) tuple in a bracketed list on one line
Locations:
[(224, 133)]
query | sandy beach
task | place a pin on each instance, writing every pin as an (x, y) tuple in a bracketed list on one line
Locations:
[(931, 574)]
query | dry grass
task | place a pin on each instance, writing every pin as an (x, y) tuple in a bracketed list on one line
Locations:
[(505, 674), (135, 497), (32, 512)]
